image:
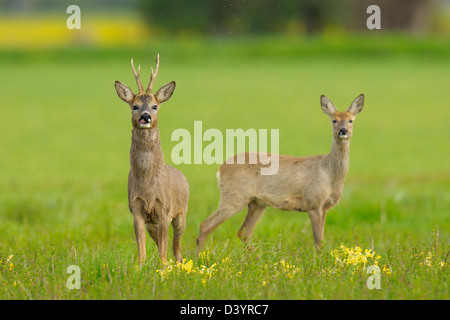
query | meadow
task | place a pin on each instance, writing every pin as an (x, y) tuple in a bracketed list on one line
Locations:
[(64, 161)]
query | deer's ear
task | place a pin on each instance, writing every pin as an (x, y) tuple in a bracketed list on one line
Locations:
[(327, 106), (165, 92), (124, 93), (357, 105)]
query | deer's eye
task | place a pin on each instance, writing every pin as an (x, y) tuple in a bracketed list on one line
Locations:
[(334, 121), (155, 107), (351, 121), (135, 107)]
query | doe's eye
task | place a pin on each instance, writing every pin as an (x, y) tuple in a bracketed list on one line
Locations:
[(351, 121), (135, 107), (334, 121), (155, 107)]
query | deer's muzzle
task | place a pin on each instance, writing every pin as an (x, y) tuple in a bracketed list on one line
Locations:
[(145, 120), (343, 133)]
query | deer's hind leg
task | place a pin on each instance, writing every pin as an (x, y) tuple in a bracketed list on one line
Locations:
[(161, 232), (255, 211), (228, 206), (163, 236), (179, 225), (153, 231)]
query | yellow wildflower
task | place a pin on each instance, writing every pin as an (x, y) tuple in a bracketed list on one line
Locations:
[(428, 260)]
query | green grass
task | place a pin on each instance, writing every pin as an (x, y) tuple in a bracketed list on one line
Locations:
[(65, 140)]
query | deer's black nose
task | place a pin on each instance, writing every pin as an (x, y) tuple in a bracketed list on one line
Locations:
[(343, 131), (146, 117)]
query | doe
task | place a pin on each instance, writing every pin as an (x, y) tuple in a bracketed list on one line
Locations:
[(157, 193), (307, 184)]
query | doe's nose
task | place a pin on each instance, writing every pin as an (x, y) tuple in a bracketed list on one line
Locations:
[(343, 131)]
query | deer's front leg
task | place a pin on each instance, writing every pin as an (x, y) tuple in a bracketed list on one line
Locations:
[(318, 225), (137, 209), (139, 231)]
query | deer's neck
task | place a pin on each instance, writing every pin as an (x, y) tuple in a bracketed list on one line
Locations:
[(338, 160), (146, 156)]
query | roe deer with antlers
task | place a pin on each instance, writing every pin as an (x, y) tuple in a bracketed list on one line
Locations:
[(157, 193), (308, 184)]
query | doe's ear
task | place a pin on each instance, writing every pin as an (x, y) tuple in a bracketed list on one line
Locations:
[(327, 106), (165, 92), (124, 93), (357, 105)]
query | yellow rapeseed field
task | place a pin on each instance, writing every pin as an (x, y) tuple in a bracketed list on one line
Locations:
[(50, 31)]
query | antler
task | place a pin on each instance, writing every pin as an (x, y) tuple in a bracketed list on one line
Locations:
[(136, 75), (153, 76)]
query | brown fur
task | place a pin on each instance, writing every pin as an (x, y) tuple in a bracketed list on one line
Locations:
[(310, 184), (157, 193)]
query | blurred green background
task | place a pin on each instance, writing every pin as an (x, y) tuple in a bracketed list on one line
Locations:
[(65, 135)]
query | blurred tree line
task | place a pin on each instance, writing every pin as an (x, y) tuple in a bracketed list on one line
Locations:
[(273, 16), (239, 16), (222, 17), (42, 6)]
